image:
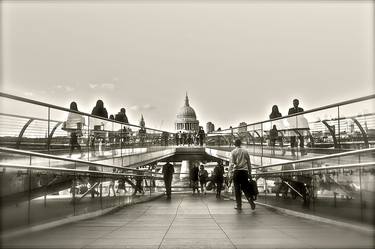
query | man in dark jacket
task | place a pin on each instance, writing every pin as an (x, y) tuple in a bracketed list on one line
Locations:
[(201, 135), (218, 178), (293, 110), (194, 177), (168, 171), (99, 109)]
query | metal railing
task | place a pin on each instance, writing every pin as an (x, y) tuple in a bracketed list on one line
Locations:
[(31, 154), (320, 158), (34, 199), (343, 126), (37, 126)]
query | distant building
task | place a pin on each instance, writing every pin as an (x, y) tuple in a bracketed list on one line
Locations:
[(142, 122), (186, 120), (242, 127), (210, 127)]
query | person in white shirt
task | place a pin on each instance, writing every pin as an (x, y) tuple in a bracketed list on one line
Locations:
[(240, 168), (73, 125)]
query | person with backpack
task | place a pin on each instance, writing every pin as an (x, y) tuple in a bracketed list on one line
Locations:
[(240, 168), (203, 177), (218, 178)]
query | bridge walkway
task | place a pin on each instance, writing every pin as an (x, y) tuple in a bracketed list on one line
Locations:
[(189, 221)]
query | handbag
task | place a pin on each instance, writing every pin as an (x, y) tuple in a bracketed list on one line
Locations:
[(253, 187)]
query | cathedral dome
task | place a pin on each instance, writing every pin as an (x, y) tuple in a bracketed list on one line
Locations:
[(186, 113), (186, 119)]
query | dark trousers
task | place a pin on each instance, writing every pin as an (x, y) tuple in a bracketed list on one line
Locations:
[(293, 141), (241, 184), (138, 184), (168, 185), (74, 143), (201, 141), (219, 186)]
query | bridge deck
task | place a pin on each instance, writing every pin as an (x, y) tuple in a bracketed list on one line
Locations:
[(194, 222)]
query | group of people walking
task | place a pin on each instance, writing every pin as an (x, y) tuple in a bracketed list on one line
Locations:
[(199, 179), (190, 138), (239, 173)]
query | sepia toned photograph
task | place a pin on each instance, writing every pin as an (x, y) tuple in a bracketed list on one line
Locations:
[(178, 124)]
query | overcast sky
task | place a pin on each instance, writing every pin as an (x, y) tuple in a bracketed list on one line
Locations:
[(234, 58)]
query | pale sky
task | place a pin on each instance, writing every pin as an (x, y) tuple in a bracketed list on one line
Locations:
[(234, 58)]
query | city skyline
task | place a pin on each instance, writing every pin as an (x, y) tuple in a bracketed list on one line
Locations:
[(234, 60)]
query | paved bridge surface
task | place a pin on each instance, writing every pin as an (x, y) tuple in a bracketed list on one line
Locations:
[(194, 221)]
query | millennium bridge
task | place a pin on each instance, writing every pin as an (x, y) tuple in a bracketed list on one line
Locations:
[(320, 195)]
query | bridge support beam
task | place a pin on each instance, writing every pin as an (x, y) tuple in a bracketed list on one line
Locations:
[(185, 169)]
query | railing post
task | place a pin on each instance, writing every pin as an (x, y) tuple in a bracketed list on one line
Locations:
[(150, 184), (360, 189), (101, 191), (265, 188), (74, 190), (48, 127), (313, 187), (88, 139), (338, 128), (261, 143), (29, 199)]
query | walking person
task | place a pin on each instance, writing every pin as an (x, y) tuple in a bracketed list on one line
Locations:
[(73, 125), (240, 168), (203, 177), (180, 137), (273, 137), (184, 138), (177, 139), (293, 110), (112, 184), (276, 125), (139, 183), (201, 135), (194, 178), (189, 139), (168, 171), (218, 178), (98, 134)]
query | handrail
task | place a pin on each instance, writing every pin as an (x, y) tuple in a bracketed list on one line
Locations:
[(348, 153), (25, 117), (23, 166), (348, 117), (342, 166), (30, 153), (35, 102), (372, 96)]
